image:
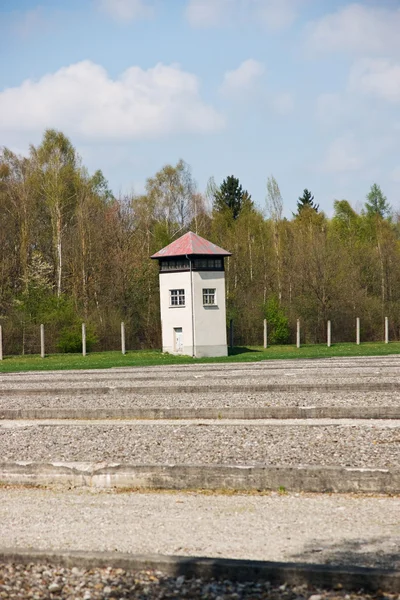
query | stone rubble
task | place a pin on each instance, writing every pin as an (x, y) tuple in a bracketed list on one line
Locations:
[(48, 582)]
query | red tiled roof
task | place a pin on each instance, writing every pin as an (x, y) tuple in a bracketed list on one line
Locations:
[(190, 244)]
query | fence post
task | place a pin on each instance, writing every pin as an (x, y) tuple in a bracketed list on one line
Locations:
[(328, 336), (83, 339), (265, 334), (42, 341), (231, 333), (386, 330), (1, 343), (123, 337), (298, 334), (358, 331)]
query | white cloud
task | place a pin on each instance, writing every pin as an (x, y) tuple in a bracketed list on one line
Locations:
[(83, 100), (356, 28), (243, 78), (244, 83), (274, 14), (283, 103), (126, 10), (343, 155), (379, 78)]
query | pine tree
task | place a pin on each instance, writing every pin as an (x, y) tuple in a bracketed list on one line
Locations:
[(231, 196), (306, 200), (377, 203)]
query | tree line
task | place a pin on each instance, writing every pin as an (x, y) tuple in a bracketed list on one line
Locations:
[(71, 252)]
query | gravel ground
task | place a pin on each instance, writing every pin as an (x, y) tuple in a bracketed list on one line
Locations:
[(206, 443), (351, 370), (47, 582), (199, 399), (344, 364), (202, 381), (338, 529), (315, 528)]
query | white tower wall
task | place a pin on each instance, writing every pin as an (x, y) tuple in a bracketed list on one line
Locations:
[(207, 322), (173, 317)]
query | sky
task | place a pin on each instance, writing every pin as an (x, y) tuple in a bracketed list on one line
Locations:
[(305, 90)]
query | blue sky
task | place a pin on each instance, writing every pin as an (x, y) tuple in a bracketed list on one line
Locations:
[(305, 90)]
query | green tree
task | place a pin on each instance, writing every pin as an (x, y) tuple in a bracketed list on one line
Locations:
[(230, 196), (306, 200), (172, 192), (16, 181), (275, 208), (278, 323), (55, 160), (100, 186), (377, 203)]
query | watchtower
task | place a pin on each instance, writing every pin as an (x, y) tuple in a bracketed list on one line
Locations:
[(192, 297)]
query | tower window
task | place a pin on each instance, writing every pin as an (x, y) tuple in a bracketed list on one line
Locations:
[(177, 297), (209, 296)]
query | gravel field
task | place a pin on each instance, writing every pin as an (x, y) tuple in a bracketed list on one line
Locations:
[(369, 444), (325, 529), (315, 365), (337, 370), (47, 582), (330, 529), (201, 380), (118, 399)]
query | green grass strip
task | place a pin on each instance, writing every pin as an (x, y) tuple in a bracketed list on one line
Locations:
[(144, 358)]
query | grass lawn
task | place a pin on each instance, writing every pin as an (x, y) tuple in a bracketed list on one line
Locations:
[(141, 358)]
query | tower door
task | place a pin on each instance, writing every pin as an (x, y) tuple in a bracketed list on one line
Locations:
[(178, 336)]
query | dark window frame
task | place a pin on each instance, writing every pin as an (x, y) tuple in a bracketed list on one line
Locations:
[(199, 263)]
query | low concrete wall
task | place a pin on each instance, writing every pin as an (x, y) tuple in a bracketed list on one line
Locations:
[(193, 389), (215, 477), (323, 576), (270, 412)]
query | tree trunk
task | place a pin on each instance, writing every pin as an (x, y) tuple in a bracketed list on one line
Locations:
[(59, 251)]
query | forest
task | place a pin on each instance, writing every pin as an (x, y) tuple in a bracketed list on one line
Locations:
[(72, 252)]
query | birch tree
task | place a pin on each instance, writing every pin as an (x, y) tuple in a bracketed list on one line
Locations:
[(275, 209), (55, 161)]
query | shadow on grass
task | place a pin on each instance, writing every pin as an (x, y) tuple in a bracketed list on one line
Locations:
[(242, 350)]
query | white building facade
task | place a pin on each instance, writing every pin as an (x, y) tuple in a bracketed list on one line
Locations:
[(192, 297)]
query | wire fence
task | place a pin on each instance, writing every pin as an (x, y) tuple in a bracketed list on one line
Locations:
[(34, 339), (30, 339)]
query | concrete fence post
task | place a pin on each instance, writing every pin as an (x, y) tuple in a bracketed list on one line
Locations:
[(42, 341), (231, 333), (265, 334), (123, 337), (328, 334), (83, 339), (358, 331), (1, 343), (298, 334), (386, 330)]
